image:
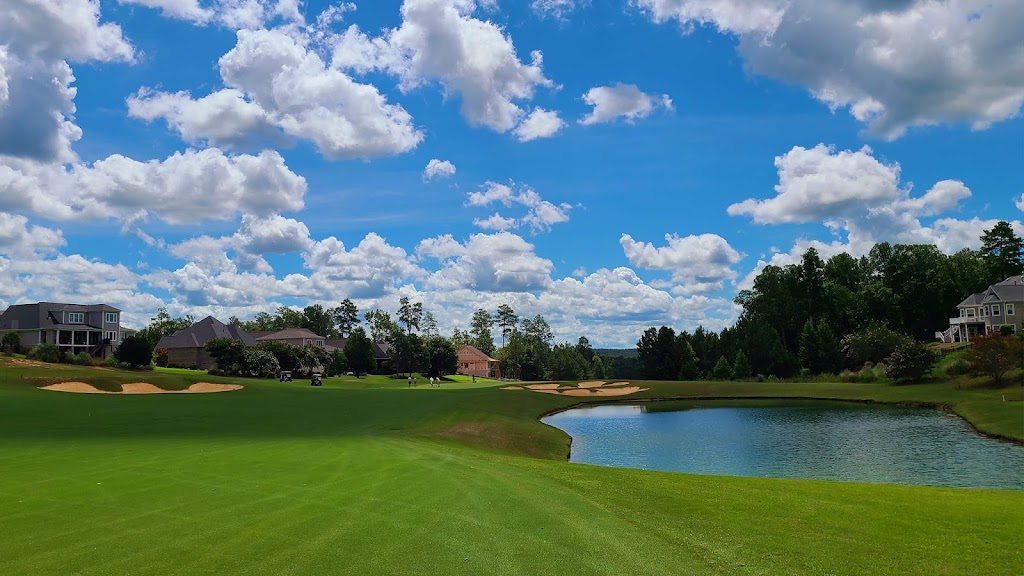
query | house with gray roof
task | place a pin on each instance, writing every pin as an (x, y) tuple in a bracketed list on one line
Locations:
[(294, 336), (381, 352), (92, 328), (187, 348), (1001, 304)]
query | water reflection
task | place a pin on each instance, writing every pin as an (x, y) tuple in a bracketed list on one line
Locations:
[(830, 441)]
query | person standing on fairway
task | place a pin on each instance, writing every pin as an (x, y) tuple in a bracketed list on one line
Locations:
[(410, 381)]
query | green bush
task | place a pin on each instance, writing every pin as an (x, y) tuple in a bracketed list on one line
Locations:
[(135, 351), (872, 344), (45, 352), (959, 367), (82, 359), (260, 363), (11, 343), (910, 361)]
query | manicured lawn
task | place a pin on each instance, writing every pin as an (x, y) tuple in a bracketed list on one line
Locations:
[(368, 477)]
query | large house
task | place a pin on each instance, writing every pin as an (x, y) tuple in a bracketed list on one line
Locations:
[(186, 348), (1001, 304), (294, 336), (92, 328), (473, 362)]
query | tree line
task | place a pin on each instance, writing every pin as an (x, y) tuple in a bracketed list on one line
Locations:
[(820, 317)]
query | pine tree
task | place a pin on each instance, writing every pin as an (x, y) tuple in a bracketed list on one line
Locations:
[(722, 370), (809, 347), (741, 367), (688, 369)]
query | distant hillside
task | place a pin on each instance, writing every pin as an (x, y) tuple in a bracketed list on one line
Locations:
[(616, 352)]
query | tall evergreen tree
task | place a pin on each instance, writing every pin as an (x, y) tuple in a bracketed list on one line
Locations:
[(359, 352), (741, 367), (688, 369), (346, 317), (507, 321), (1003, 251)]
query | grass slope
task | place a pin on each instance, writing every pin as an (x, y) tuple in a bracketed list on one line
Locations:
[(368, 477)]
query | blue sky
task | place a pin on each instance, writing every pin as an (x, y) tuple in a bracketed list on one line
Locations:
[(610, 164)]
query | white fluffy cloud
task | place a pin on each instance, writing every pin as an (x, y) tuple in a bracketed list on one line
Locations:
[(540, 215), (18, 239), (700, 264), (277, 88), (441, 41), (501, 262), (36, 97), (438, 169), (255, 238), (892, 64), (368, 270), (621, 101), (853, 192), (186, 188), (540, 123), (234, 14)]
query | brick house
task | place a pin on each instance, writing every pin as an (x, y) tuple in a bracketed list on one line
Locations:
[(294, 336), (187, 348)]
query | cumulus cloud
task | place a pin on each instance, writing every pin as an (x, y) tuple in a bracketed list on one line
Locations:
[(18, 239), (853, 192), (277, 89), (235, 14), (245, 249), (893, 65), (369, 269), (36, 96), (1019, 203), (501, 262), (185, 188), (441, 41), (540, 123), (621, 101), (540, 215), (438, 169), (701, 263)]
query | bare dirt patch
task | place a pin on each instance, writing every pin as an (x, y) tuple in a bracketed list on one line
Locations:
[(24, 362), (141, 388)]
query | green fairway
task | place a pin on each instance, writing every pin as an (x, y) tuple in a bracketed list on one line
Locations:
[(369, 477)]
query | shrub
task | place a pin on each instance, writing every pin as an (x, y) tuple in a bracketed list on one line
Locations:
[(11, 343), (82, 359), (134, 351), (910, 361), (45, 353), (260, 363), (995, 355), (773, 378), (1006, 330), (872, 344), (958, 367), (161, 357), (741, 367)]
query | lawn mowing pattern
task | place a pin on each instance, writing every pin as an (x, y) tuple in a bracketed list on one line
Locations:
[(289, 479)]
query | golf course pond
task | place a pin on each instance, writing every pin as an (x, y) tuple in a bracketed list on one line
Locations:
[(793, 439)]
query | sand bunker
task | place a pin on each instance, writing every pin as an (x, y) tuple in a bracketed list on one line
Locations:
[(591, 388), (141, 388)]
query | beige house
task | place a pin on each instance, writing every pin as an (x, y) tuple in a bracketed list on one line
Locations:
[(473, 362), (1001, 304), (294, 336)]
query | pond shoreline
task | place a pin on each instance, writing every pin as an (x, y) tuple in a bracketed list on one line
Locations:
[(943, 406)]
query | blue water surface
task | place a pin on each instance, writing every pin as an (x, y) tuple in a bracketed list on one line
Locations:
[(827, 441)]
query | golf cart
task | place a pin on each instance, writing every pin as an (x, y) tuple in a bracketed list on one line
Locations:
[(316, 379), (285, 376)]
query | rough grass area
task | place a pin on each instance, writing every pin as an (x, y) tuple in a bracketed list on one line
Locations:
[(368, 477)]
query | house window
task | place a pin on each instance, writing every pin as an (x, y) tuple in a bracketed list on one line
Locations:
[(76, 317), (121, 335), (983, 311), (995, 309), (970, 312), (111, 317), (112, 336)]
